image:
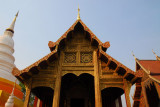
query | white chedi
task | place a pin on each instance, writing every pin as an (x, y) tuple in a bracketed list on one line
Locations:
[(6, 53)]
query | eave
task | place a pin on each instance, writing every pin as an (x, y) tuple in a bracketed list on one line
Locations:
[(33, 68), (126, 72)]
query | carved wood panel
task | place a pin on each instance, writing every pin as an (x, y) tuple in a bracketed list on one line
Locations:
[(70, 57), (78, 55), (86, 57)]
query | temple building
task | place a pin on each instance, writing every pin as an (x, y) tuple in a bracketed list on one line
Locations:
[(6, 65), (78, 72), (147, 92)]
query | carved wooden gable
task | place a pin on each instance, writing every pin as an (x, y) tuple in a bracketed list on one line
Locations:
[(73, 53), (78, 52)]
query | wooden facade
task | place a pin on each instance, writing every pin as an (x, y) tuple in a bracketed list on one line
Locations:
[(78, 73)]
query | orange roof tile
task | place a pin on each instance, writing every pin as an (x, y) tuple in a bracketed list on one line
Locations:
[(153, 66)]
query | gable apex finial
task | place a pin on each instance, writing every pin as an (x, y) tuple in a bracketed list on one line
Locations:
[(78, 17)]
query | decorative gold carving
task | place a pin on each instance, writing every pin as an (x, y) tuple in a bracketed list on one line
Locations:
[(70, 57), (86, 57)]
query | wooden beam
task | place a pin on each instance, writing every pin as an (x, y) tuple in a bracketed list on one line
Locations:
[(108, 62), (21, 78), (117, 68), (134, 79), (125, 75)]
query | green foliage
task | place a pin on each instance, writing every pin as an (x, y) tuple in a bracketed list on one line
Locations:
[(23, 90), (32, 96)]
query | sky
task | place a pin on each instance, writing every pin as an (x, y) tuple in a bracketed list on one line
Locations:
[(129, 25)]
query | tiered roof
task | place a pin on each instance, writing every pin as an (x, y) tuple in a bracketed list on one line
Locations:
[(54, 47), (151, 68)]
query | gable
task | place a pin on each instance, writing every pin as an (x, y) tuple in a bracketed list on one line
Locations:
[(76, 48)]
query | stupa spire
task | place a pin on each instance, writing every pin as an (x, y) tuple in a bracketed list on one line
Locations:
[(11, 27), (10, 101), (78, 17)]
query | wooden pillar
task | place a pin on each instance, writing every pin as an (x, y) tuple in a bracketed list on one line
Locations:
[(127, 87), (28, 92), (98, 100), (144, 94), (27, 97), (56, 96)]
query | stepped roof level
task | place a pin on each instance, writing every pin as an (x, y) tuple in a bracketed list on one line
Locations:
[(149, 85), (150, 67)]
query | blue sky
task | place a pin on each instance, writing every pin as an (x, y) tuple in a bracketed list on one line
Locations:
[(129, 25)]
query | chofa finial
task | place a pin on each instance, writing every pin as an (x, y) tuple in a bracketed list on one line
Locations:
[(78, 17), (134, 56), (157, 57)]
